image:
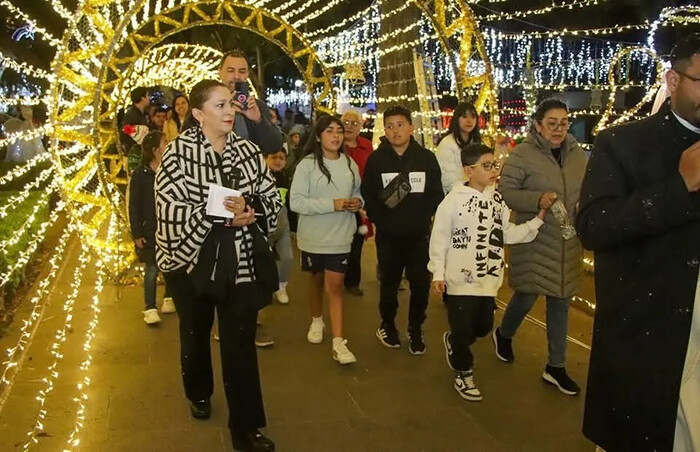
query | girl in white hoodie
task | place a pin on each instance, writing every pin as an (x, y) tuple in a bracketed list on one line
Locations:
[(470, 231), (464, 130)]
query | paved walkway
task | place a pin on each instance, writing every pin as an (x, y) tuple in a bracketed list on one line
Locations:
[(388, 401)]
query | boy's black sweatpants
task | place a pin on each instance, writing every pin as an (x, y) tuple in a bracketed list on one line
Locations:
[(469, 317), (396, 253)]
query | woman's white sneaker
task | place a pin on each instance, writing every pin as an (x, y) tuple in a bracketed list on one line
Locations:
[(281, 295), (315, 334), (342, 354), (168, 306), (151, 316)]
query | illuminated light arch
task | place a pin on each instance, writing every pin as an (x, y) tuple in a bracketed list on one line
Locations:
[(85, 95), (457, 27), (613, 71), (179, 66)]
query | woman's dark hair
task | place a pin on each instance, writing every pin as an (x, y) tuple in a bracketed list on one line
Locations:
[(149, 145), (545, 106), (475, 135), (471, 153), (199, 96), (313, 145), (176, 118)]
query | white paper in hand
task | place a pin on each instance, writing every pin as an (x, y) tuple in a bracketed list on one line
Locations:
[(215, 201)]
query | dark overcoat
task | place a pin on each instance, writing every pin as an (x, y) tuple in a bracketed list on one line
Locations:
[(644, 226)]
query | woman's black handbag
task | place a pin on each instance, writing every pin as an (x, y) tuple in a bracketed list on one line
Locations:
[(264, 266)]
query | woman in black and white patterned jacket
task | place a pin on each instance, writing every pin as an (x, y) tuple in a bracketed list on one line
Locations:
[(208, 261)]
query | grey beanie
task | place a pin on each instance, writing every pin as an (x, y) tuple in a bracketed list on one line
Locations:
[(298, 128)]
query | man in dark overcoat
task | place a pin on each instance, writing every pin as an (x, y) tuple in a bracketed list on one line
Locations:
[(640, 213)]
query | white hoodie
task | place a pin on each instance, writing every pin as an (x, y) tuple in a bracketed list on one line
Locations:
[(466, 245)]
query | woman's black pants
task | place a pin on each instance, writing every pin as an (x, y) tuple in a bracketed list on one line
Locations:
[(239, 360)]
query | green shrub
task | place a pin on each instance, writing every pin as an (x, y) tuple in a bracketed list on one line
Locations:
[(15, 219), (20, 182)]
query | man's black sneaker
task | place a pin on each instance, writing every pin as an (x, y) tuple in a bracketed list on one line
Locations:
[(388, 335), (448, 349), (416, 345), (201, 409), (252, 441), (558, 377), (503, 346)]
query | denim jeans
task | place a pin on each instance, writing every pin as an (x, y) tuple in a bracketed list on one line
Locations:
[(281, 241), (149, 286), (150, 283), (557, 322)]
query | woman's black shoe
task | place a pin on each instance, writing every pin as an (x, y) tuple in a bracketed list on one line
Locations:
[(201, 409), (252, 441)]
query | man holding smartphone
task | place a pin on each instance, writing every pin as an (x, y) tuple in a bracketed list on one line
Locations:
[(253, 123), (252, 116)]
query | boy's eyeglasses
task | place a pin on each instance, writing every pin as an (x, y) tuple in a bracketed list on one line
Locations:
[(554, 125), (351, 123), (488, 166)]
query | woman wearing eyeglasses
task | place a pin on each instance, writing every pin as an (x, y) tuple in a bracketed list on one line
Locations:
[(547, 166)]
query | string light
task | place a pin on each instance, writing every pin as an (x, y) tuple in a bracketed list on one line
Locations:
[(25, 135), (84, 383), (536, 12), (60, 9), (24, 68), (615, 29), (27, 324), (21, 170), (20, 100), (24, 194), (56, 348), (29, 251), (20, 232), (18, 13)]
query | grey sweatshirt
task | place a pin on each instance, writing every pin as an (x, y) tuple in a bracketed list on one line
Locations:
[(321, 229)]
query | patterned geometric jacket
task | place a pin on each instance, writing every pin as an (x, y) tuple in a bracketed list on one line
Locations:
[(189, 166)]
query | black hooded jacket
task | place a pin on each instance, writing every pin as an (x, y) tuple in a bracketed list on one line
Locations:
[(413, 215)]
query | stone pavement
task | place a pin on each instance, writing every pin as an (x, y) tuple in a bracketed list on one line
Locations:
[(388, 401)]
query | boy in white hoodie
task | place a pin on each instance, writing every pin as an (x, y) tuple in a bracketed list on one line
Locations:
[(466, 258)]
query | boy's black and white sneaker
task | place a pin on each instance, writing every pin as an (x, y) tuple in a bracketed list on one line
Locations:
[(416, 345), (448, 349), (465, 386), (503, 346), (388, 335), (559, 378)]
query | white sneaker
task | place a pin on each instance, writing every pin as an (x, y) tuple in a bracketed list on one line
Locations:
[(282, 296), (342, 354), (315, 334), (168, 306), (151, 316)]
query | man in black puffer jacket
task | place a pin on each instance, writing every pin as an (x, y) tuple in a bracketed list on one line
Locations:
[(402, 231)]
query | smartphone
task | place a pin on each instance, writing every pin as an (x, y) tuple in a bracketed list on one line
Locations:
[(241, 94)]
